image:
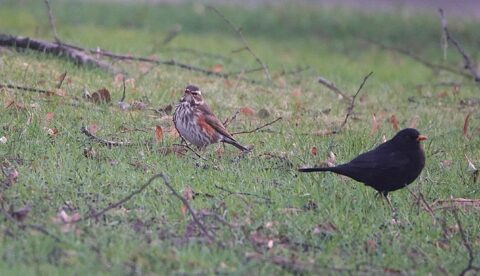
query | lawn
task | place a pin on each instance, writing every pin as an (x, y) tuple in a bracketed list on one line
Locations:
[(262, 216)]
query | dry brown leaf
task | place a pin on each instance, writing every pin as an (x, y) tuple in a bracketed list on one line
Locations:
[(247, 111), (217, 68), (101, 96), (326, 228), (158, 134), (67, 223), (314, 150), (374, 124), (465, 125), (49, 118), (394, 122), (92, 128)]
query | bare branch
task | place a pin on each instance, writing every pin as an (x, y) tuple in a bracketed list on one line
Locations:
[(186, 204), (96, 215), (245, 43), (25, 88), (418, 59), (330, 85), (51, 20), (257, 128), (471, 256), (231, 118), (352, 103), (62, 78), (107, 143), (77, 56), (468, 64)]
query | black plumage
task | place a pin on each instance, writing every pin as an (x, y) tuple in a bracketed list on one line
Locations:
[(389, 167)]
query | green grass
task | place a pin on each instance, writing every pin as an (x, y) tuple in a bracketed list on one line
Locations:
[(147, 234)]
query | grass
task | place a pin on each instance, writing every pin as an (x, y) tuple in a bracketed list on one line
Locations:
[(149, 234)]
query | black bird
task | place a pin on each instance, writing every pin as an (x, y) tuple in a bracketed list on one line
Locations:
[(389, 167)]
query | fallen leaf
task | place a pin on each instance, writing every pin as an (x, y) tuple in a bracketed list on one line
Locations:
[(314, 150), (326, 228), (394, 122), (188, 195), (217, 68), (52, 132), (19, 214), (67, 223), (374, 124), (49, 118), (101, 96), (3, 140), (332, 159), (92, 128), (465, 125), (158, 134), (247, 111), (413, 122)]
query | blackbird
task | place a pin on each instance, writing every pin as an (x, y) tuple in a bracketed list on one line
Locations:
[(389, 167)]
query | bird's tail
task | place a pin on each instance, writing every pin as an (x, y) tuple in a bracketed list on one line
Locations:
[(236, 144), (327, 169)]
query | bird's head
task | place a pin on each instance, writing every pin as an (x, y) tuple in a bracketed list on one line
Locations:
[(192, 95), (409, 138)]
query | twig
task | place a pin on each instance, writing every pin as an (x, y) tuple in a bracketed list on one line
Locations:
[(51, 20), (186, 204), (242, 193), (419, 59), (124, 88), (231, 118), (76, 55), (352, 103), (30, 89), (108, 143), (62, 78), (245, 43), (257, 128), (468, 64), (95, 215), (471, 256), (330, 85), (425, 204), (36, 227)]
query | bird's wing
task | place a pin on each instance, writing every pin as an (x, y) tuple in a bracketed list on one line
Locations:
[(214, 122), (381, 158)]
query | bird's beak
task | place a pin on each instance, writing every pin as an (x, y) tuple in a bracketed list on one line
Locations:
[(421, 138)]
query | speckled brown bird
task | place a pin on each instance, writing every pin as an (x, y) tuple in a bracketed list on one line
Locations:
[(389, 167), (197, 124)]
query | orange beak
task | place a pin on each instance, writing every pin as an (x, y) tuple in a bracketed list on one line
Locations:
[(421, 138)]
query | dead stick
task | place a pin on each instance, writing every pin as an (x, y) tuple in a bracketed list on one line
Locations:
[(257, 128), (245, 43), (51, 20), (468, 64), (108, 143), (25, 88), (122, 201), (62, 78), (330, 85), (352, 103), (185, 202), (471, 256)]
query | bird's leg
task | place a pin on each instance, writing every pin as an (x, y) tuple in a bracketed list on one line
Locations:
[(394, 211)]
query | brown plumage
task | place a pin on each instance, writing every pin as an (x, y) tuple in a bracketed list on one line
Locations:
[(197, 124)]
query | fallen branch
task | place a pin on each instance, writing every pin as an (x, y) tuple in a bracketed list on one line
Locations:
[(257, 128), (51, 20), (352, 104), (419, 59), (30, 89), (330, 85), (245, 43), (105, 142), (455, 203), (266, 199), (95, 215), (77, 56), (468, 64), (471, 256), (186, 204)]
